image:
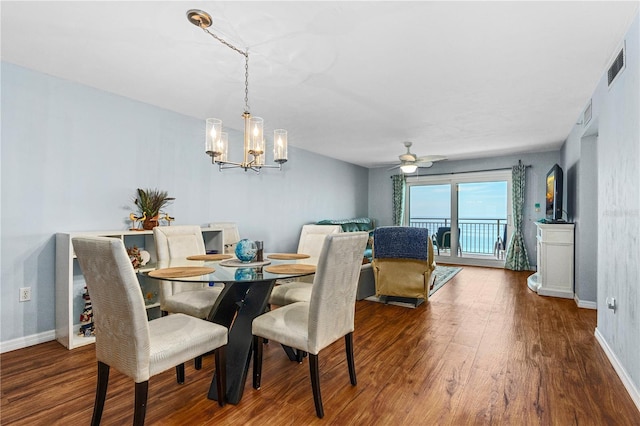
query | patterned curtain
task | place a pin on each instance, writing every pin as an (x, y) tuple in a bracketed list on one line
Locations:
[(398, 198), (517, 258)]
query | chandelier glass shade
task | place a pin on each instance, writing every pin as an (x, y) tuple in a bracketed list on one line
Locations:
[(217, 141)]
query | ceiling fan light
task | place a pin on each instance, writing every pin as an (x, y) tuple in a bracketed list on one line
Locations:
[(408, 168)]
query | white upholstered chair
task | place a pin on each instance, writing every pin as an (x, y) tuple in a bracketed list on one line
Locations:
[(125, 339), (311, 240), (329, 315), (230, 233), (178, 242)]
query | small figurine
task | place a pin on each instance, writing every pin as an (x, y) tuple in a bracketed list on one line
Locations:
[(168, 218), (135, 219)]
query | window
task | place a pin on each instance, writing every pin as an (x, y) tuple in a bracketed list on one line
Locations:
[(468, 214)]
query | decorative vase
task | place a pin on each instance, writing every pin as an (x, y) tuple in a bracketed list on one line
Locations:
[(246, 250), (150, 223)]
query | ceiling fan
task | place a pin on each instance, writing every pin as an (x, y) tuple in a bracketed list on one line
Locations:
[(409, 162)]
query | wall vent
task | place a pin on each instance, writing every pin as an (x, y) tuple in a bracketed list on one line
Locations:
[(617, 66), (588, 113)]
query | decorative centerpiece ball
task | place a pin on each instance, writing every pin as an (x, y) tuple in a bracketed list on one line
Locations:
[(246, 250)]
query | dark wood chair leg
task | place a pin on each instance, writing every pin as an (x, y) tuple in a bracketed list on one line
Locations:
[(258, 342), (101, 393), (221, 374), (180, 373), (197, 362), (140, 410), (315, 384), (348, 340)]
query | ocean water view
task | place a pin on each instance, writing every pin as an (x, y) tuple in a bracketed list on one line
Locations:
[(477, 236)]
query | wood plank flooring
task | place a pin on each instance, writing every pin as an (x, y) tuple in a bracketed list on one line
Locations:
[(485, 350)]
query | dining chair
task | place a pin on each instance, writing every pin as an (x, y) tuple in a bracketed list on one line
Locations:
[(126, 340), (230, 234), (195, 299), (329, 314), (311, 240)]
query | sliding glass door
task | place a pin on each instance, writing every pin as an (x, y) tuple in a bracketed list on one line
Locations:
[(467, 214), (430, 207)]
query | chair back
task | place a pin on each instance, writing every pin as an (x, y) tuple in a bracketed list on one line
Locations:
[(333, 298), (312, 238), (120, 317), (230, 234), (177, 242), (401, 242), (443, 237)]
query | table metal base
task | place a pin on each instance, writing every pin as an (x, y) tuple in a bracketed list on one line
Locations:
[(236, 307)]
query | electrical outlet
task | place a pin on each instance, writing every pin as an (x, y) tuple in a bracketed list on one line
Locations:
[(25, 294)]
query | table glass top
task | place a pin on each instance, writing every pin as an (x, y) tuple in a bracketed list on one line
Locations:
[(229, 274)]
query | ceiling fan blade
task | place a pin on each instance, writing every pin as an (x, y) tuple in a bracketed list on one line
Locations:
[(424, 163), (431, 158), (394, 167)]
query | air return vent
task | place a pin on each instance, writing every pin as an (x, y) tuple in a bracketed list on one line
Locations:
[(616, 67)]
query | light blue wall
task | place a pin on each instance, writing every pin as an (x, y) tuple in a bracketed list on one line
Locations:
[(616, 123), (72, 157), (381, 190)]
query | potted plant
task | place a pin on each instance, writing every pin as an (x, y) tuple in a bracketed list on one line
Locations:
[(150, 202)]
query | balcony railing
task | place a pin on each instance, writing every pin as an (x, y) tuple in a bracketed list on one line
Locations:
[(477, 236)]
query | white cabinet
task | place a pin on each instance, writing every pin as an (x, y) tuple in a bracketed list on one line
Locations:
[(70, 281), (555, 248)]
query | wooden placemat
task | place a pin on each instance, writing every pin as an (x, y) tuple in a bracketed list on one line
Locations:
[(291, 268), (218, 256), (287, 256), (181, 271)]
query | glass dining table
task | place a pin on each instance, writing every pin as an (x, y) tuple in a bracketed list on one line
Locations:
[(245, 295)]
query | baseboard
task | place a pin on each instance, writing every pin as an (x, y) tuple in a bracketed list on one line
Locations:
[(26, 341), (585, 304), (634, 392)]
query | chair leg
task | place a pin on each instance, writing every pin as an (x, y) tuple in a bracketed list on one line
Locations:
[(221, 374), (101, 393), (140, 410), (348, 340), (197, 362), (180, 373), (315, 384), (257, 361)]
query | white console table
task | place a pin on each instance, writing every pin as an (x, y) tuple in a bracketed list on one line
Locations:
[(70, 281), (555, 248)]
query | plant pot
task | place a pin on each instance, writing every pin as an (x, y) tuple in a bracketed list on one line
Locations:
[(150, 223)]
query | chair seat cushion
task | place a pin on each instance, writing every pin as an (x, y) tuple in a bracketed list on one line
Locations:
[(288, 325), (177, 338), (291, 292), (196, 303)]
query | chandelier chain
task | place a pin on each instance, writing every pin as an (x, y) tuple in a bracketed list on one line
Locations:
[(246, 82), (246, 65)]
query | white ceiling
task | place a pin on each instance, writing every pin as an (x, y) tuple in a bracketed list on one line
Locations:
[(349, 80)]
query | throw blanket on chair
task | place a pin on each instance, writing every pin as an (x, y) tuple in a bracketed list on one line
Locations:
[(401, 242)]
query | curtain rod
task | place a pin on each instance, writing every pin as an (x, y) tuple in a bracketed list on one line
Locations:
[(471, 171)]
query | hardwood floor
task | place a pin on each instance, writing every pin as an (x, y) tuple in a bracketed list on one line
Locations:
[(484, 350)]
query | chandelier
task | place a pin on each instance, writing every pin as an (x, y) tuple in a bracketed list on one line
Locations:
[(217, 141)]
